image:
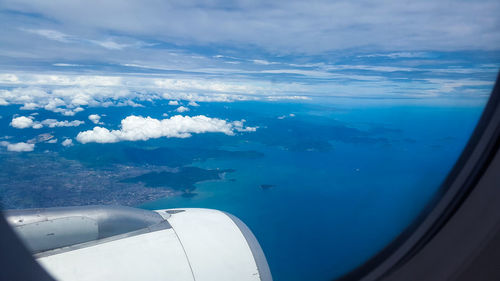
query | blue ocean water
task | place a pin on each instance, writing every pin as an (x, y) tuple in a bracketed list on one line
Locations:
[(345, 177)]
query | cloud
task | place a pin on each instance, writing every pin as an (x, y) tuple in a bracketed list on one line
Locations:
[(340, 43), (21, 122), (99, 135), (65, 38), (50, 34), (263, 62), (41, 138), (51, 123), (181, 109), (239, 126), (135, 128), (66, 64), (206, 97), (18, 147), (109, 44), (396, 55), (193, 103), (68, 94), (286, 116), (323, 27), (94, 118), (67, 142), (277, 98)]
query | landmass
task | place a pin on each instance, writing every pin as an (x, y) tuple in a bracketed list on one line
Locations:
[(183, 179), (105, 174), (39, 180)]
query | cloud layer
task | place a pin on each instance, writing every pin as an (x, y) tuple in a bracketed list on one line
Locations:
[(221, 51), (315, 27), (135, 128), (69, 94)]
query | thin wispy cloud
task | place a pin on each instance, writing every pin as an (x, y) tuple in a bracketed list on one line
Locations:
[(50, 34), (66, 38)]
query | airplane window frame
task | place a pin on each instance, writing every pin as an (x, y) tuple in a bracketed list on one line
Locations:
[(18, 263)]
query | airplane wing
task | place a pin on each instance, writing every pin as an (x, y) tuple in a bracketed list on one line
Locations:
[(121, 243)]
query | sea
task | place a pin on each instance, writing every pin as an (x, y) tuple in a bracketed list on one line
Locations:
[(338, 180)]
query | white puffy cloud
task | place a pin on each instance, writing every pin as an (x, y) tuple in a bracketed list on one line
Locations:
[(67, 142), (95, 118), (193, 103), (135, 128), (99, 135), (181, 109), (21, 122), (173, 102), (18, 147)]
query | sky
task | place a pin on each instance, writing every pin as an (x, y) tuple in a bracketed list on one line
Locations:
[(68, 56)]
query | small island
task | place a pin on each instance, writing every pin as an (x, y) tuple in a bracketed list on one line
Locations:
[(267, 186)]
